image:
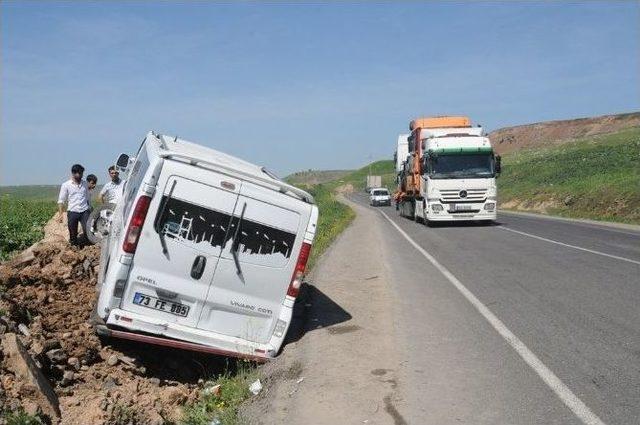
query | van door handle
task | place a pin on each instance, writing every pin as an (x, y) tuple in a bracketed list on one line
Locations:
[(198, 266)]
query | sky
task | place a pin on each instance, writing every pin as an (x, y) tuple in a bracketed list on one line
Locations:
[(294, 86)]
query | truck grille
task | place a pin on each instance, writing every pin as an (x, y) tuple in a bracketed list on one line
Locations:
[(453, 195)]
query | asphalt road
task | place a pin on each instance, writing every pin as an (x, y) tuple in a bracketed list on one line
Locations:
[(547, 332)]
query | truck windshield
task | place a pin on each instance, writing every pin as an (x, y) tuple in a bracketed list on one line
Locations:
[(462, 166)]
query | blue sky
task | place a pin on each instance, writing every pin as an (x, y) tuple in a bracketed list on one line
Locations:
[(295, 86)]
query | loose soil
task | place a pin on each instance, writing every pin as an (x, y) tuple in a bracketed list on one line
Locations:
[(47, 297)]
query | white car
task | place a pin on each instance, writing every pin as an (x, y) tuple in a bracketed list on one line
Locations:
[(379, 196), (204, 252)]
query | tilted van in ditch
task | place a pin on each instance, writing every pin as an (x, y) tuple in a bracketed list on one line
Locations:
[(204, 252)]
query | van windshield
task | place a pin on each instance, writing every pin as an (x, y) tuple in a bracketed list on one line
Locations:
[(462, 166), (380, 192)]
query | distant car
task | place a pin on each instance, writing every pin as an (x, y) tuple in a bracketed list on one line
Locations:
[(379, 196)]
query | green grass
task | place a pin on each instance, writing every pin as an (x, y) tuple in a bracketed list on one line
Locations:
[(19, 417), (333, 218), (21, 222), (234, 390), (596, 178)]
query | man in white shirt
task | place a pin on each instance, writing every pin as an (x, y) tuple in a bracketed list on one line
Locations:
[(75, 193), (112, 191)]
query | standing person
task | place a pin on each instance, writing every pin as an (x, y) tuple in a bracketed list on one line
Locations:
[(75, 193), (92, 182), (112, 191)]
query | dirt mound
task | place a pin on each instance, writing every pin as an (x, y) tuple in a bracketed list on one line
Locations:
[(552, 133), (47, 296)]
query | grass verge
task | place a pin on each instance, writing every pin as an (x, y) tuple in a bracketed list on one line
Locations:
[(595, 178), (219, 405)]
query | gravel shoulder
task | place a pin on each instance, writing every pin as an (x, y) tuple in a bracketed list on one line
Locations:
[(339, 366)]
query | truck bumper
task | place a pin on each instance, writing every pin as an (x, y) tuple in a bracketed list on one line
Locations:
[(462, 216)]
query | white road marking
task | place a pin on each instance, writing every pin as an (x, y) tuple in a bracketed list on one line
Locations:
[(569, 246), (576, 405)]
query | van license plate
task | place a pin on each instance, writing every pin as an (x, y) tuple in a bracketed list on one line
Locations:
[(162, 305)]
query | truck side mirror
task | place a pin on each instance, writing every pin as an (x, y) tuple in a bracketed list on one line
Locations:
[(498, 164)]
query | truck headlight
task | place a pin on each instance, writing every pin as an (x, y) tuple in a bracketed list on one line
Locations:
[(490, 206), (436, 207)]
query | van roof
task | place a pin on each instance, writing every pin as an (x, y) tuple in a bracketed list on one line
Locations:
[(186, 147), (183, 149)]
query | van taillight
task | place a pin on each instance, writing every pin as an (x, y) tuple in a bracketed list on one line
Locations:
[(298, 273), (135, 225)]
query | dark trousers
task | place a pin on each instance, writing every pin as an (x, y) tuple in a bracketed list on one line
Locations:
[(72, 222)]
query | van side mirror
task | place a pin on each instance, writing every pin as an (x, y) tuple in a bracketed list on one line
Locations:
[(498, 164), (123, 160)]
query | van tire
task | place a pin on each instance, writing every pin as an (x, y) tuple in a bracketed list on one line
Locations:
[(94, 224)]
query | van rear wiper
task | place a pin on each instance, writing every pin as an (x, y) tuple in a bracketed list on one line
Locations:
[(163, 207), (236, 243)]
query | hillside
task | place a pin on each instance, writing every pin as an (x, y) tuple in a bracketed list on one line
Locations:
[(554, 133), (595, 177), (315, 176)]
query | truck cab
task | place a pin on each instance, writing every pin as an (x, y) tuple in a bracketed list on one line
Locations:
[(459, 173)]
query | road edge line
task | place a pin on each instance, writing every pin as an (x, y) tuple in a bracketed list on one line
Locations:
[(563, 392)]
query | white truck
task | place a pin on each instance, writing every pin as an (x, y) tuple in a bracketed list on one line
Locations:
[(402, 151), (450, 174), (204, 252), (371, 182)]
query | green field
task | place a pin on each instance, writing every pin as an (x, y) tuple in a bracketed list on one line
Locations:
[(596, 178), (38, 192), (21, 222)]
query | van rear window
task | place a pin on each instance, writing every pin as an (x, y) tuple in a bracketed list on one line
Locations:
[(195, 224)]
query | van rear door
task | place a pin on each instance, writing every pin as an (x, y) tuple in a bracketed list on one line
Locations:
[(181, 242), (256, 264)]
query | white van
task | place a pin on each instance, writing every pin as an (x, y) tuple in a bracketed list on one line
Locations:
[(204, 252), (379, 196)]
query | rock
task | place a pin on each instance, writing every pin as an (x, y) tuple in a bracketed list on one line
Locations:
[(109, 383), (112, 360), (37, 348), (24, 258), (51, 344), (24, 329), (154, 381), (67, 377), (74, 363), (66, 335), (31, 408), (104, 404), (57, 356), (128, 360), (18, 361), (86, 264)]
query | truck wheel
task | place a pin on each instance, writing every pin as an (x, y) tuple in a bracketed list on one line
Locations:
[(416, 218)]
